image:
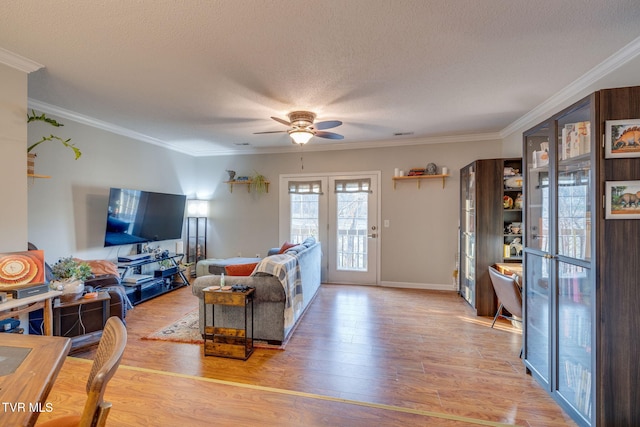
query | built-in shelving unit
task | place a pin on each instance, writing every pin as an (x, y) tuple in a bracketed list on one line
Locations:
[(513, 199), (418, 179)]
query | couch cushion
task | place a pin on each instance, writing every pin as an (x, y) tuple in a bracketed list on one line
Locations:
[(240, 269), (309, 241), (100, 267), (295, 249), (285, 246)]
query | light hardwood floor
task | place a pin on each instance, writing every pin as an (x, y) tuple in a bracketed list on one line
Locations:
[(361, 356)]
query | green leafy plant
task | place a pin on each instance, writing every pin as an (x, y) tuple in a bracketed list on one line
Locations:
[(68, 268), (165, 264), (43, 118), (258, 183)]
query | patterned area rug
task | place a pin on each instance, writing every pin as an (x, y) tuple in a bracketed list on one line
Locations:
[(186, 330)]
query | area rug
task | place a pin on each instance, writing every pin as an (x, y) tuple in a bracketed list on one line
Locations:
[(187, 330)]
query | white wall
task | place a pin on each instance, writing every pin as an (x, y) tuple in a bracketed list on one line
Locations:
[(13, 162), (67, 212), (418, 248)]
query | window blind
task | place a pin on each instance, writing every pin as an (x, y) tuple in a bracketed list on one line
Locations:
[(305, 187), (362, 185)]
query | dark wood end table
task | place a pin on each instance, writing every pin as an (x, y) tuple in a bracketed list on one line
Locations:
[(234, 343)]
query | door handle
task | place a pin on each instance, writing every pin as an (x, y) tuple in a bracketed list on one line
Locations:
[(372, 236)]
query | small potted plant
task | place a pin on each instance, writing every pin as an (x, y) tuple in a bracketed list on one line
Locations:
[(69, 276), (259, 183)]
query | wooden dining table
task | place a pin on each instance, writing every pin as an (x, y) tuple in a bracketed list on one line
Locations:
[(29, 365)]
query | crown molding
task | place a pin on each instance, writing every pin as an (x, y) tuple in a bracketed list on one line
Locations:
[(18, 62), (562, 97), (90, 121)]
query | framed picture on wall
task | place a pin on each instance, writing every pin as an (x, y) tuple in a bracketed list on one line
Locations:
[(622, 138), (622, 199)]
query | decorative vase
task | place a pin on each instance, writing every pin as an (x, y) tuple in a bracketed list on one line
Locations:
[(72, 289)]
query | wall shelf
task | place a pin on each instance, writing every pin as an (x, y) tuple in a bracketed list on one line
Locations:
[(243, 182), (418, 179), (35, 175)]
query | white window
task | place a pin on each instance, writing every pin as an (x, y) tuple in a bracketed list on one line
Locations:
[(304, 199)]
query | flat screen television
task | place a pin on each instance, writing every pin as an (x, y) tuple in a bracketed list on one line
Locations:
[(136, 216)]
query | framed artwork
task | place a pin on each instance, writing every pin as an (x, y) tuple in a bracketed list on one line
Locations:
[(622, 138), (622, 200), (21, 269)]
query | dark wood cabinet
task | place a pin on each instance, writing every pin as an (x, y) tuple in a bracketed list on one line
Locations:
[(483, 228), (581, 317)]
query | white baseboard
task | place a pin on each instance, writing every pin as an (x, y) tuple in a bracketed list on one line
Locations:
[(427, 286)]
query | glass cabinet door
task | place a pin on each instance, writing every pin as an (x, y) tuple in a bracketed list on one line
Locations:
[(537, 193), (538, 286), (467, 235), (574, 185), (574, 282), (538, 265), (574, 337)]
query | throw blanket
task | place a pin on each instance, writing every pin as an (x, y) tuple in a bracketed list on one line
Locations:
[(285, 267)]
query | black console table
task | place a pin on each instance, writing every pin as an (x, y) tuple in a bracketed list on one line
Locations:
[(159, 281)]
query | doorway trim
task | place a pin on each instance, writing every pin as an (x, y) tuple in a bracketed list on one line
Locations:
[(283, 214)]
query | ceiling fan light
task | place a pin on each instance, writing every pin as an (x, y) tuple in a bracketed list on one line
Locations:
[(301, 136)]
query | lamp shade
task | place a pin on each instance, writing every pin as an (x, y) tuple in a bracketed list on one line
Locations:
[(301, 136), (197, 208)]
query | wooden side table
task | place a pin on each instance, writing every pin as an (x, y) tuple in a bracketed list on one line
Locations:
[(82, 319), (234, 343)]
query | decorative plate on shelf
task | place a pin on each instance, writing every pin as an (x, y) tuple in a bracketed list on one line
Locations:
[(514, 182)]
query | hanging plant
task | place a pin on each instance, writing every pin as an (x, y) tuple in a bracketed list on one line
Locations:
[(258, 183), (43, 118)]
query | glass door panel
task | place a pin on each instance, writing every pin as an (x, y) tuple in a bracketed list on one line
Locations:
[(467, 236), (574, 183), (574, 336), (537, 312), (574, 209), (537, 193)]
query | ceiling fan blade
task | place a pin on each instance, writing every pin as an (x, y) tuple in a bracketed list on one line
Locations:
[(329, 135), (279, 120), (272, 131), (327, 124)]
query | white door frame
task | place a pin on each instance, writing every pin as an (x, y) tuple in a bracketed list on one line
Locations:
[(283, 203)]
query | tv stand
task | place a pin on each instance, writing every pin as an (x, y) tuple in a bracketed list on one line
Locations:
[(163, 281)]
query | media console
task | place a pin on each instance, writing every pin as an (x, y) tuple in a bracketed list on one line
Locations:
[(156, 282)]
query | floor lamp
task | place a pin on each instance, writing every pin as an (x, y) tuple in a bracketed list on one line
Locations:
[(197, 214)]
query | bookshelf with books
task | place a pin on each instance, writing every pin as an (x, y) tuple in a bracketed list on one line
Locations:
[(579, 296)]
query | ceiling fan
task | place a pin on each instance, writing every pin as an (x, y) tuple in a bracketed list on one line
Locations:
[(302, 127)]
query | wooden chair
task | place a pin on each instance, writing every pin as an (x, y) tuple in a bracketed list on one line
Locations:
[(105, 364), (509, 294)]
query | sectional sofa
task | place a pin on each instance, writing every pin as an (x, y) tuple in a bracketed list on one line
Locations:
[(284, 285)]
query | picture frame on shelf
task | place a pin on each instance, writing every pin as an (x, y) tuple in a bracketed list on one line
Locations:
[(622, 138), (622, 200)]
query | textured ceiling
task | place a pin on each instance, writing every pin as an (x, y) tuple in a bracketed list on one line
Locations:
[(202, 76)]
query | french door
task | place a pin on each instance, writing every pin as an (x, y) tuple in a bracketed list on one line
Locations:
[(341, 211)]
